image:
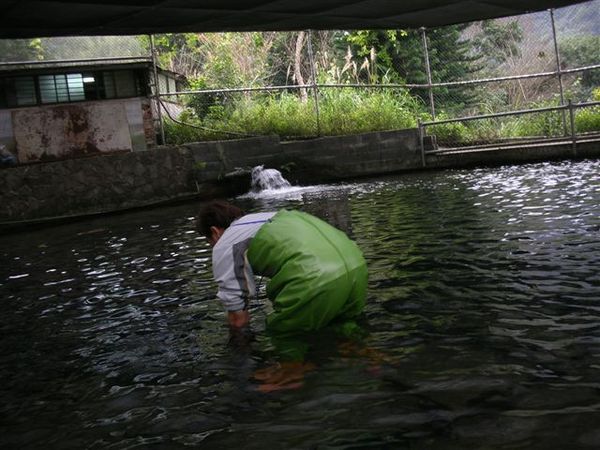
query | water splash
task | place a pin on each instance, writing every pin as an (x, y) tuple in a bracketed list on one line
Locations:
[(269, 184), (267, 179)]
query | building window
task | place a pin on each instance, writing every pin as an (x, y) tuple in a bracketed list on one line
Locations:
[(62, 88), (167, 84), (17, 91), (70, 87)]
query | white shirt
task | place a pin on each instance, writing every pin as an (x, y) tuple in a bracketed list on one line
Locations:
[(231, 269)]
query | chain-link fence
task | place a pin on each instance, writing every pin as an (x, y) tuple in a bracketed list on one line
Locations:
[(303, 84), (73, 48)]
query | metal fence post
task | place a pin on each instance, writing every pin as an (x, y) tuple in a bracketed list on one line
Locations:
[(428, 69), (573, 130), (314, 81), (421, 141), (157, 91), (558, 70)]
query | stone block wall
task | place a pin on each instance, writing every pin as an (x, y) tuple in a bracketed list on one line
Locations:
[(342, 157), (120, 181)]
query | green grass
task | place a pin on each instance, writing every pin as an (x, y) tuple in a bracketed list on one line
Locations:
[(349, 111), (341, 111), (587, 119)]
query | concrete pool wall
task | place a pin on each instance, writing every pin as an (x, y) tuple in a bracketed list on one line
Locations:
[(94, 185)]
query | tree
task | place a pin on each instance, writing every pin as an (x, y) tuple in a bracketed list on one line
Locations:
[(498, 42), (289, 62), (222, 60), (581, 51), (400, 57), (500, 45), (506, 52), (379, 52)]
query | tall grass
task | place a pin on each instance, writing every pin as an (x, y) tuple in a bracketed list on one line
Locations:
[(348, 111), (534, 125), (284, 115), (588, 119), (341, 111)]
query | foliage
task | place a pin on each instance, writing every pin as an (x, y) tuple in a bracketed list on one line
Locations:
[(537, 125), (449, 133), (345, 111), (349, 110), (498, 42), (588, 119), (177, 52), (218, 60), (201, 104), (342, 111), (485, 130), (581, 51), (399, 55), (177, 133), (20, 50), (377, 49), (285, 115), (451, 59), (505, 51)]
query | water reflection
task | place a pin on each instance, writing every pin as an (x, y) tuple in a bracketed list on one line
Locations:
[(481, 328)]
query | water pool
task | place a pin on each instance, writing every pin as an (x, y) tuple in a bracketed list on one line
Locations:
[(482, 328)]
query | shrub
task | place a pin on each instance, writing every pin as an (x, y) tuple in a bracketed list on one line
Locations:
[(538, 124), (176, 133), (448, 134), (587, 119), (283, 114), (348, 110), (342, 111)]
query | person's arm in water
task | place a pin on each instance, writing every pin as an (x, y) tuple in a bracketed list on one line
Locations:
[(234, 277), (229, 235), (238, 319)]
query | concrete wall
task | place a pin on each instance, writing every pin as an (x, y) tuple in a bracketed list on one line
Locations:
[(119, 181), (52, 132), (517, 154), (343, 157)]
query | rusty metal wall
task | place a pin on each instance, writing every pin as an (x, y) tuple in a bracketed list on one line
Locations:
[(49, 133)]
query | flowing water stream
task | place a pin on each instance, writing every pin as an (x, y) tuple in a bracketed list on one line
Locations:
[(482, 329)]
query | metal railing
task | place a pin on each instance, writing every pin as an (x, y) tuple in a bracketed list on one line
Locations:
[(571, 135)]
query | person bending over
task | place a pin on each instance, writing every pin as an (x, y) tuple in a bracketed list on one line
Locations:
[(317, 274)]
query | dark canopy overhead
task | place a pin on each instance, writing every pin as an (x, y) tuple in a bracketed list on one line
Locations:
[(39, 18)]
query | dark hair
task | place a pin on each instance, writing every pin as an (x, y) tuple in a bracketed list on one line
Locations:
[(217, 213)]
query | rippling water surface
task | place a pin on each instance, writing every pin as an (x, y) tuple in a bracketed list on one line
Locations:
[(482, 328)]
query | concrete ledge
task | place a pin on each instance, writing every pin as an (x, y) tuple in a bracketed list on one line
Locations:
[(545, 151), (117, 182)]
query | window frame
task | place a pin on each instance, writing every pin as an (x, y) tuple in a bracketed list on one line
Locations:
[(98, 91)]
